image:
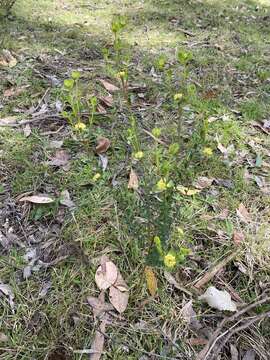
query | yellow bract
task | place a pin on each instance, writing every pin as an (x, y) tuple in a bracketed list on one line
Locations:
[(138, 155), (96, 177), (161, 185), (80, 126), (169, 260), (178, 96), (121, 74), (151, 280), (207, 151), (186, 191)]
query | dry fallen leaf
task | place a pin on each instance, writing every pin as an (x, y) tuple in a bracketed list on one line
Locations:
[(203, 182), (65, 199), (243, 214), (151, 280), (9, 121), (61, 158), (220, 300), (103, 145), (7, 59), (98, 343), (38, 199), (197, 341), (99, 305), (119, 299), (101, 109), (238, 237), (172, 281), (7, 291), (249, 355), (106, 274), (190, 316), (120, 283), (107, 100), (3, 337), (108, 86), (133, 180), (234, 352)]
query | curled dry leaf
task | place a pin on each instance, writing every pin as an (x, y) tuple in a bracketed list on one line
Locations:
[(37, 199), (203, 182), (119, 299), (243, 214), (108, 86), (101, 109), (106, 274), (61, 158), (103, 161), (107, 100), (99, 305), (103, 145), (3, 337), (220, 300), (133, 180), (151, 280), (7, 59), (98, 343), (238, 237), (190, 316)]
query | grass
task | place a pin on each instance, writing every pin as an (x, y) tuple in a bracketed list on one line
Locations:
[(230, 69)]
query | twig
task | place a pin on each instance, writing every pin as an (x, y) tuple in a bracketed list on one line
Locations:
[(240, 328), (214, 270), (155, 138), (203, 354)]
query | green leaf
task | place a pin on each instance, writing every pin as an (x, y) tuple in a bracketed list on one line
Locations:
[(76, 75)]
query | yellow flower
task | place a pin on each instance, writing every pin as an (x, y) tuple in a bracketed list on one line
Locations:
[(138, 155), (80, 126), (96, 177), (121, 74), (169, 260), (207, 151), (178, 97), (161, 185)]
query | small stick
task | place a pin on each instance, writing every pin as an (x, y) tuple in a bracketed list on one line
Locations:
[(214, 270)]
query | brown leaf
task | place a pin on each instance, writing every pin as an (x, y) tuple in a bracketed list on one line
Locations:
[(99, 305), (61, 158), (203, 182), (190, 316), (14, 91), (103, 145), (98, 343), (7, 59), (107, 100), (172, 281), (106, 274), (243, 214), (101, 109), (38, 199), (238, 237), (151, 280), (197, 341), (133, 180), (3, 337), (223, 215), (108, 86), (120, 283), (119, 299)]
